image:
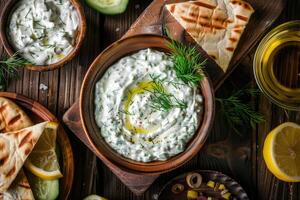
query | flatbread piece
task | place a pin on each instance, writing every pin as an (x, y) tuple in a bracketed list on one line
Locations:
[(14, 149), (12, 117), (216, 25)]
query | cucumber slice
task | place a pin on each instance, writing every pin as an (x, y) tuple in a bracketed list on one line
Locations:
[(109, 7), (43, 189), (94, 197)]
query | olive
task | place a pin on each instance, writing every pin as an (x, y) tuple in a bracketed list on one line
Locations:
[(194, 180), (177, 188)]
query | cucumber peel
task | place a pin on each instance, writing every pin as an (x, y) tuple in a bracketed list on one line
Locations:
[(43, 189), (108, 7)]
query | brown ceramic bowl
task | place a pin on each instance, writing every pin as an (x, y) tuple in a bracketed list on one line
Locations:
[(107, 58), (39, 113), (4, 19)]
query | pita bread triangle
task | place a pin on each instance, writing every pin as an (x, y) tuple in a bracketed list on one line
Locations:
[(14, 149), (216, 25), (19, 189), (13, 118)]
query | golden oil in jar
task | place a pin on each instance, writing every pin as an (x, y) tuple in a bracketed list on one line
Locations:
[(277, 65)]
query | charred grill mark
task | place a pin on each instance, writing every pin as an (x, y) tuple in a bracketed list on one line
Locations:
[(192, 30), (237, 31), (243, 4), (14, 119), (27, 151), (193, 15), (236, 2), (205, 17), (204, 5), (242, 17), (213, 57), (230, 49), (218, 27), (11, 172), (172, 8), (237, 26), (247, 6), (26, 139), (4, 160), (188, 19), (2, 146), (2, 108), (207, 25), (23, 185), (233, 39), (222, 21)]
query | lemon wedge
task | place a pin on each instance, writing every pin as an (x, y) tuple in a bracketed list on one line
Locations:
[(94, 197), (281, 152), (43, 161)]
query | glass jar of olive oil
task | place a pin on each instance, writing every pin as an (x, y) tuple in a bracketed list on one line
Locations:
[(277, 65)]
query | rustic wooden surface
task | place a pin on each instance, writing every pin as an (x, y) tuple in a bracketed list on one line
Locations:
[(237, 156)]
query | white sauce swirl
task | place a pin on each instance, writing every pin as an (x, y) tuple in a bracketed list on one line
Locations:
[(137, 131), (43, 31)]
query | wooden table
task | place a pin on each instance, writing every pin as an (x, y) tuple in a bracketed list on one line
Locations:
[(239, 156)]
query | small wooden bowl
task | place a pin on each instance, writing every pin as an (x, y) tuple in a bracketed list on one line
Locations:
[(107, 58), (4, 19), (39, 113)]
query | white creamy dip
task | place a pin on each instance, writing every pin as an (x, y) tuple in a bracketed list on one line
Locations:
[(43, 31), (124, 114)]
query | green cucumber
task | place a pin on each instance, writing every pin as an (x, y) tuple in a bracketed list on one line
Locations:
[(108, 7), (43, 189)]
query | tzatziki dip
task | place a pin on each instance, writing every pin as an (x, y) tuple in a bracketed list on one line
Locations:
[(132, 120), (43, 31)]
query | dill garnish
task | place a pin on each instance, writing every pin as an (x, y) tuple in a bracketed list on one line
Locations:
[(237, 113), (188, 62), (9, 68), (162, 100)]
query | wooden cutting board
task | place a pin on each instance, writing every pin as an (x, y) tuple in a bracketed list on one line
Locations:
[(152, 21)]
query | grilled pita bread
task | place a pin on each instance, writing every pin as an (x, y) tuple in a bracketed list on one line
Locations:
[(216, 25), (9, 111), (14, 149), (12, 117), (19, 189)]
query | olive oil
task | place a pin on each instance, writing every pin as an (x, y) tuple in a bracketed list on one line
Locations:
[(277, 65), (139, 89)]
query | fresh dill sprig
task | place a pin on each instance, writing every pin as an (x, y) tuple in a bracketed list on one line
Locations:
[(188, 62), (9, 68), (161, 99), (236, 112)]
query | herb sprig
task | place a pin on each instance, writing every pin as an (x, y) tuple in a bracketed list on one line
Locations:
[(161, 99), (188, 62), (9, 68), (236, 112)]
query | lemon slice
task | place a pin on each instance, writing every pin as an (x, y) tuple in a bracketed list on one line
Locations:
[(281, 152), (43, 161), (94, 197)]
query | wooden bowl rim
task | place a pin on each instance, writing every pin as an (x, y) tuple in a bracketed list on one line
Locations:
[(156, 167), (62, 136), (4, 18)]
